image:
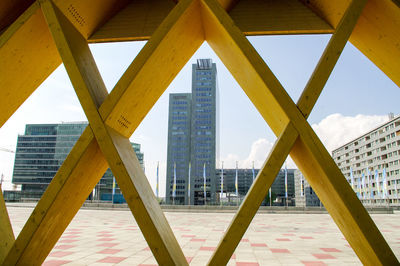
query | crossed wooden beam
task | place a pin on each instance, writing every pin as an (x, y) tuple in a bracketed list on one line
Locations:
[(114, 117)]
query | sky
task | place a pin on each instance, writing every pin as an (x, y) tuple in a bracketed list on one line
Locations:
[(356, 99)]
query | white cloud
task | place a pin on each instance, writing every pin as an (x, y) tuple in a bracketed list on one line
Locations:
[(72, 108), (258, 154), (336, 130)]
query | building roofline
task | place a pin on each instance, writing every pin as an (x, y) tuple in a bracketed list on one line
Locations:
[(367, 133)]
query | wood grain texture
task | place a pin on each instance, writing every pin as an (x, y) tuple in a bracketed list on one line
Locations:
[(6, 231), (73, 183), (308, 152), (305, 104), (153, 69), (118, 150), (27, 57), (376, 34)]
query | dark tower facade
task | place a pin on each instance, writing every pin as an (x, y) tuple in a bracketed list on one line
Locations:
[(192, 139)]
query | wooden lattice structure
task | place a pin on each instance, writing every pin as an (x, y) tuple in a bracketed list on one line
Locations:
[(37, 36)]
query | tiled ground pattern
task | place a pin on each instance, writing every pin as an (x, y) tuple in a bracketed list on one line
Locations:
[(108, 237)]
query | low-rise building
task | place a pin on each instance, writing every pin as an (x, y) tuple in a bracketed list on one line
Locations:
[(245, 180), (304, 194)]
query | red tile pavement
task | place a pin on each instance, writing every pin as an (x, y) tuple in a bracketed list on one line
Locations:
[(105, 235), (67, 241), (189, 259), (244, 240), (60, 254), (106, 239), (146, 249), (313, 263), (247, 263), (208, 248), (64, 246), (233, 257), (112, 259), (258, 245), (72, 233), (279, 250), (323, 256), (109, 251), (70, 236), (110, 245), (288, 234), (331, 250), (188, 235), (307, 237), (197, 240), (283, 239), (55, 262)]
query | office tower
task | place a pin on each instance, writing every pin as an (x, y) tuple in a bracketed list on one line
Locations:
[(178, 157), (371, 164), (40, 153), (192, 139)]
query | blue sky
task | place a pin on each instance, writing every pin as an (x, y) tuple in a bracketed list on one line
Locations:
[(357, 97)]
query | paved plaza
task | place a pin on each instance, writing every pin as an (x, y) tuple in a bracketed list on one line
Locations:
[(110, 237)]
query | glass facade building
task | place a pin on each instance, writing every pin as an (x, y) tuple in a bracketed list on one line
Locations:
[(245, 180), (42, 150), (192, 139)]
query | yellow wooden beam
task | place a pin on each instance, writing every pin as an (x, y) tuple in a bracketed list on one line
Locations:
[(153, 69), (307, 100), (10, 10), (87, 17), (272, 17), (24, 61), (257, 193), (66, 193), (308, 145), (330, 57), (139, 19), (264, 90), (377, 33), (120, 155), (47, 222), (6, 232), (27, 52)]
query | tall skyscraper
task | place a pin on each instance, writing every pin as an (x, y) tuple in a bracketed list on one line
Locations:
[(192, 139), (178, 157)]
